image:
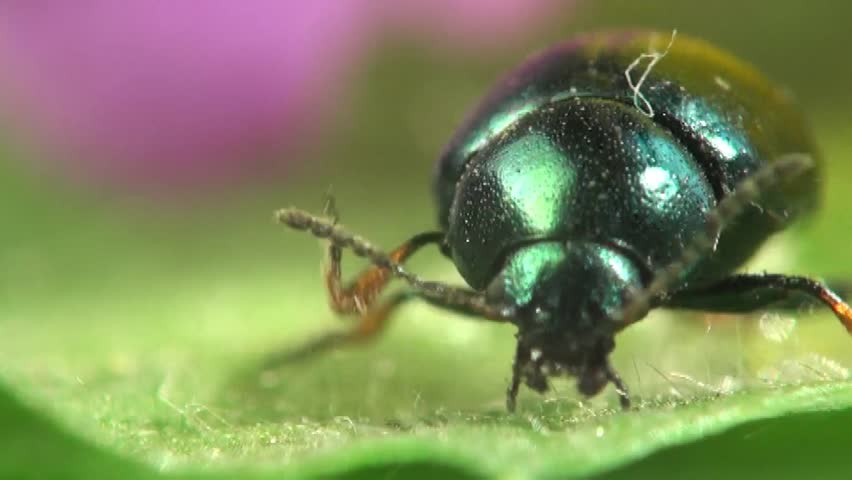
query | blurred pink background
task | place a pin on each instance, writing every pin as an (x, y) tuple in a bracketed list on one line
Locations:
[(180, 94)]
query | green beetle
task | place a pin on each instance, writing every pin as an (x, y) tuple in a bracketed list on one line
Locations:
[(586, 190)]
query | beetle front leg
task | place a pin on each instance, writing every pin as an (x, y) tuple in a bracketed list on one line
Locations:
[(597, 375), (358, 295), (366, 287), (522, 357), (620, 387)]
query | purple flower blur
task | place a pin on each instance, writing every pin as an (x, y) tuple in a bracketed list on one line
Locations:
[(184, 93)]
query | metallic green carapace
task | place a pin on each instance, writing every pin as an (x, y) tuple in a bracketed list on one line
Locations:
[(562, 149)]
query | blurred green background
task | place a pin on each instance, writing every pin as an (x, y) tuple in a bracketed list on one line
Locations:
[(137, 324)]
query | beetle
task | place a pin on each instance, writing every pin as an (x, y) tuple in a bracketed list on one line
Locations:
[(576, 197)]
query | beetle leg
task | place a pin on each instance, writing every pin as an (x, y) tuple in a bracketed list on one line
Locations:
[(370, 324), (522, 355), (359, 294), (458, 299), (620, 386), (597, 374), (746, 293)]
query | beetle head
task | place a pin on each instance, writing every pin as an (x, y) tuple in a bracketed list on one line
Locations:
[(565, 298)]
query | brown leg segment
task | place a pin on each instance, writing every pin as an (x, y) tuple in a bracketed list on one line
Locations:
[(840, 308), (359, 296), (363, 291), (460, 300)]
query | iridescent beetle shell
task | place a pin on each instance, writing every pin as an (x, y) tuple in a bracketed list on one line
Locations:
[(563, 149), (587, 189)]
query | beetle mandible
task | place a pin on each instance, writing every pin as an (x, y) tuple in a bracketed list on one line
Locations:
[(571, 208)]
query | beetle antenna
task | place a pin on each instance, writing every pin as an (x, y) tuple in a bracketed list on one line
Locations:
[(455, 298), (746, 192)]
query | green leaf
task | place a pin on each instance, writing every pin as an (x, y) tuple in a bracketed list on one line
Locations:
[(33, 447)]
